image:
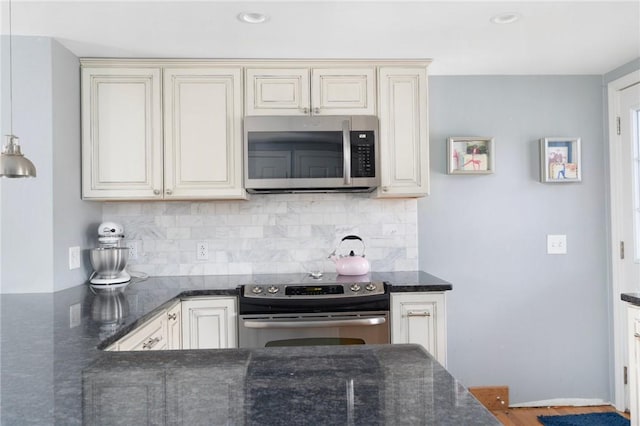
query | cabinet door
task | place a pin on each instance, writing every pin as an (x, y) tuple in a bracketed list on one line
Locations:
[(121, 133), (343, 91), (152, 335), (420, 318), (634, 364), (271, 91), (123, 396), (203, 133), (174, 327), (404, 138), (209, 323)]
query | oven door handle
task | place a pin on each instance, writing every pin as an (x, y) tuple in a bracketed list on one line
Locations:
[(319, 323)]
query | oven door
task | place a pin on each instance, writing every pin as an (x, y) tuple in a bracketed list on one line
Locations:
[(257, 331)]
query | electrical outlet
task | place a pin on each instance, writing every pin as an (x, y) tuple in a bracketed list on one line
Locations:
[(202, 251), (75, 315), (74, 257), (556, 244), (134, 248)]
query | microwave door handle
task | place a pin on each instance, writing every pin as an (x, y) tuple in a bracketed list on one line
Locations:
[(319, 323), (346, 149)]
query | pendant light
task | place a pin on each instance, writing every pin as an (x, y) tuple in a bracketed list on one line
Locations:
[(12, 163)]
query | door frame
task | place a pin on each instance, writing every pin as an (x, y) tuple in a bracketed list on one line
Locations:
[(617, 306)]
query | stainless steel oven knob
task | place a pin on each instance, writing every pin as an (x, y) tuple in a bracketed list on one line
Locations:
[(355, 287), (256, 290), (370, 287), (273, 289)]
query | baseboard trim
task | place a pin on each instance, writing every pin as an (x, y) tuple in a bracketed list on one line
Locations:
[(562, 402)]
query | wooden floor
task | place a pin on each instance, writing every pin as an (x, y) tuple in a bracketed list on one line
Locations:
[(528, 416)]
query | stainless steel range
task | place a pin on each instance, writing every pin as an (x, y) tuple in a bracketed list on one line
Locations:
[(313, 314)]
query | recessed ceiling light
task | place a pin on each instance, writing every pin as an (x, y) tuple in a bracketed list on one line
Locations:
[(505, 18), (252, 17)]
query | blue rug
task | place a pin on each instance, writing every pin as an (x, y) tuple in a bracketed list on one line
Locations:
[(591, 419)]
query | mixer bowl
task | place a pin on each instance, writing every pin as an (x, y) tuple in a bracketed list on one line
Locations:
[(108, 262)]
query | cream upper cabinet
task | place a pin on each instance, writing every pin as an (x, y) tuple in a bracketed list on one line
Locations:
[(203, 133), (420, 318), (404, 138), (310, 91), (183, 144), (121, 133)]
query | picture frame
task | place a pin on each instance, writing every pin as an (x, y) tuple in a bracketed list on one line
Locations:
[(560, 160), (470, 155)]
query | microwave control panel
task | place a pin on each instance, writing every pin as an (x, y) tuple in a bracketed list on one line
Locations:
[(363, 154)]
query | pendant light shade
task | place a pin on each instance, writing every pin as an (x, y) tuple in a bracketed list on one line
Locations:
[(12, 163)]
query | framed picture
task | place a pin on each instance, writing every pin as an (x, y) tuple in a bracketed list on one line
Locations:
[(560, 160), (470, 155)]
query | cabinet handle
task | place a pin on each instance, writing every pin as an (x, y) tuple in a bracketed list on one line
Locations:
[(172, 316), (305, 110), (316, 110), (637, 335), (151, 343), (418, 314), (169, 192), (156, 192), (385, 189)]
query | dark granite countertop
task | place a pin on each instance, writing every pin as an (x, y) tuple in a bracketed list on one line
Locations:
[(328, 385), (43, 349), (633, 298)]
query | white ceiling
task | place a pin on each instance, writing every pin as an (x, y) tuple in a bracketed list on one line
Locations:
[(571, 37)]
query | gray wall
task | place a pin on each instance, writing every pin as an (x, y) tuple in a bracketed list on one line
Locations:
[(36, 231), (517, 316)]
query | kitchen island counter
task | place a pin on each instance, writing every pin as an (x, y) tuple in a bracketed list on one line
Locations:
[(47, 339), (333, 385)]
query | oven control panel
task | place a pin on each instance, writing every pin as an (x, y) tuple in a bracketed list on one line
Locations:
[(306, 291)]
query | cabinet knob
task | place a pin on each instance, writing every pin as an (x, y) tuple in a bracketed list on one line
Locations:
[(168, 192), (385, 189), (305, 110), (637, 335), (316, 110), (156, 192)]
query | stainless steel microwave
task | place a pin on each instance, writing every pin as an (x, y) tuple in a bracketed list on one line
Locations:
[(311, 154)]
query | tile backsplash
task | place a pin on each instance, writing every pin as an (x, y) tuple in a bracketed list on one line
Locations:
[(286, 233)]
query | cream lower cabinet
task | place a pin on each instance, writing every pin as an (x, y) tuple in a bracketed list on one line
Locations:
[(310, 91), (162, 332), (209, 323), (404, 138), (152, 335), (634, 363), (420, 318), (161, 132)]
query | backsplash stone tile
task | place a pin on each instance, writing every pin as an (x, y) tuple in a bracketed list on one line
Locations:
[(287, 233)]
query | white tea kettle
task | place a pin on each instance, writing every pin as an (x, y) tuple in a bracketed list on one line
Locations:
[(350, 264)]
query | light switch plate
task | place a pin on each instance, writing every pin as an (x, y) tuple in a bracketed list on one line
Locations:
[(556, 244)]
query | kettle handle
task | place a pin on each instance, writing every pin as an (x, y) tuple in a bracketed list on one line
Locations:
[(350, 237)]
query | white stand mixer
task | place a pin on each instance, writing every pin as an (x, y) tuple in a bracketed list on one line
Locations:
[(109, 259)]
